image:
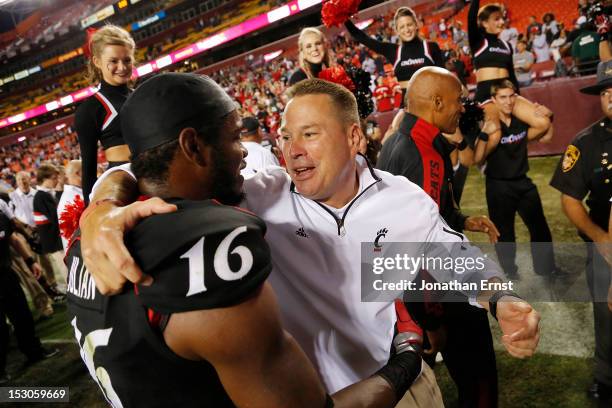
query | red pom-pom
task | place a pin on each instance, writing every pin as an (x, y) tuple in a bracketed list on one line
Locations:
[(338, 75), (87, 46), (69, 219), (336, 12)]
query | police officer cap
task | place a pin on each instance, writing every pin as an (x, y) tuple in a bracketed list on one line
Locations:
[(157, 111), (604, 79)]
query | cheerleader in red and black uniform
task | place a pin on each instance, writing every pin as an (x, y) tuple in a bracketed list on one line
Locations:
[(97, 118), (314, 55), (492, 59), (412, 52)]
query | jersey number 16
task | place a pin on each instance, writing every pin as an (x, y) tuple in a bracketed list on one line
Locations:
[(195, 255)]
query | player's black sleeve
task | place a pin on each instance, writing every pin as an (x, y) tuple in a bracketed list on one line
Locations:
[(201, 257), (88, 127), (474, 35), (436, 54), (389, 50)]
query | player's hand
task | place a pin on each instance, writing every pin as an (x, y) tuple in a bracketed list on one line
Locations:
[(520, 324), (482, 223), (36, 270), (437, 340), (104, 252)]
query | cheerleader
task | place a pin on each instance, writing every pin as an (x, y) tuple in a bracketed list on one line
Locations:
[(110, 67)]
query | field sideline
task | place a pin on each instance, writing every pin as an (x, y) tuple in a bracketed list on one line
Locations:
[(556, 377)]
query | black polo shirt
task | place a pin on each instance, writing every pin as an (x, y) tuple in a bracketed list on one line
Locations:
[(586, 168), (509, 160)]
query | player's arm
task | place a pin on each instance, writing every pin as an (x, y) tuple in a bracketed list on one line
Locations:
[(103, 226), (259, 364)]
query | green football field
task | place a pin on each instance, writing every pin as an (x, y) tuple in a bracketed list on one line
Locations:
[(556, 377)]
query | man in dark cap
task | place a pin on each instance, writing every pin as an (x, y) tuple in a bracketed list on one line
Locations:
[(259, 157), (207, 332), (586, 169)]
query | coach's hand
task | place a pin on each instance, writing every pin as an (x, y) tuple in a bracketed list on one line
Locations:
[(104, 252), (482, 223), (520, 324)]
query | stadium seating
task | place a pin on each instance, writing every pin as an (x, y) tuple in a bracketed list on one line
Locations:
[(565, 11)]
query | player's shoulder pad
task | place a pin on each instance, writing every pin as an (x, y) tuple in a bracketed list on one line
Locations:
[(203, 256)]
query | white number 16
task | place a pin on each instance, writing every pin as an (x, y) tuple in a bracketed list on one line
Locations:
[(195, 255)]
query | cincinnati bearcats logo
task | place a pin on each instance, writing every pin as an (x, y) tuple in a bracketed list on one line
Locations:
[(380, 234)]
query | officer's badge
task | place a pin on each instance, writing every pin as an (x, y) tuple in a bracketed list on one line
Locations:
[(572, 154)]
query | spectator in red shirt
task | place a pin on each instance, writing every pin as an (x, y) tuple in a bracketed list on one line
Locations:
[(383, 95)]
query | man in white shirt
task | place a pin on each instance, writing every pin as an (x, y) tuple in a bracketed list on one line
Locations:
[(22, 199), (509, 34), (72, 190), (317, 216), (258, 157)]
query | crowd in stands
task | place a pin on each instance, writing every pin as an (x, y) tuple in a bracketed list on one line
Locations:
[(258, 87), (19, 102), (57, 148)]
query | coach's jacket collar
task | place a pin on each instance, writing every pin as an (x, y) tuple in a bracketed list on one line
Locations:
[(367, 178)]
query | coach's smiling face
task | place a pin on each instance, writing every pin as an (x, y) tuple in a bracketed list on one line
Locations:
[(319, 149)]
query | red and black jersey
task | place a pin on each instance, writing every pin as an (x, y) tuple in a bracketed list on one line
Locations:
[(419, 152), (47, 224), (204, 256)]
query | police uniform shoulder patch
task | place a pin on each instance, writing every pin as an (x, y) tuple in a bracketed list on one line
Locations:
[(570, 158)]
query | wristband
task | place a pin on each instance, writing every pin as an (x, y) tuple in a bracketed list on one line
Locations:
[(462, 146), (495, 298), (483, 136), (96, 204), (401, 371), (30, 261)]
